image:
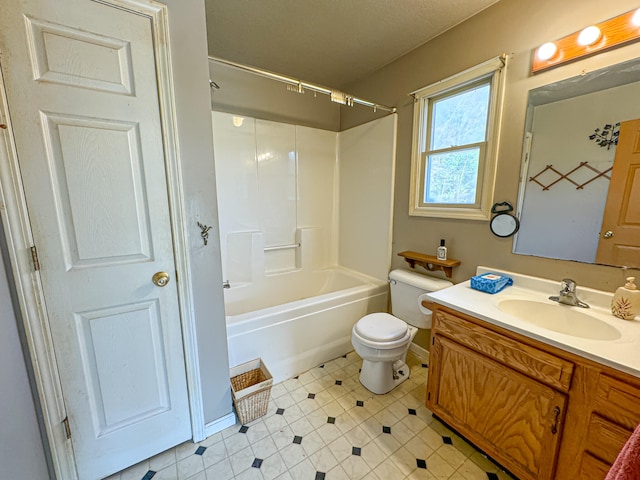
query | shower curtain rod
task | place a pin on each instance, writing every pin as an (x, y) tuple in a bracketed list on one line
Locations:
[(336, 95)]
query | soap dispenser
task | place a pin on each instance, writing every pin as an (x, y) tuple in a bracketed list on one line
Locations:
[(626, 301)]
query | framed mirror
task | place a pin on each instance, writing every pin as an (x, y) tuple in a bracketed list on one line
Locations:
[(571, 139)]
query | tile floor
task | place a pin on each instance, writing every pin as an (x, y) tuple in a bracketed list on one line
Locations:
[(324, 425)]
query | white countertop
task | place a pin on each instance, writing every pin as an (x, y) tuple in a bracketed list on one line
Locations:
[(622, 354)]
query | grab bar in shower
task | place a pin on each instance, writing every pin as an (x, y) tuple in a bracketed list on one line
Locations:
[(282, 247)]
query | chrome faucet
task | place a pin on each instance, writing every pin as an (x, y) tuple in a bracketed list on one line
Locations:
[(568, 294)]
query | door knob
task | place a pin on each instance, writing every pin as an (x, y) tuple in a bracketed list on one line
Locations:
[(160, 279), (608, 234)]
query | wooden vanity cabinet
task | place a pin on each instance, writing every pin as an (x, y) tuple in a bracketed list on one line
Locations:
[(509, 412), (539, 411)]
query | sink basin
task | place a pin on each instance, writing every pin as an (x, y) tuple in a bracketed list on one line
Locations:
[(559, 318)]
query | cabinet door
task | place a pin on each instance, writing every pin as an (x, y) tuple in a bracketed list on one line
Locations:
[(513, 418)]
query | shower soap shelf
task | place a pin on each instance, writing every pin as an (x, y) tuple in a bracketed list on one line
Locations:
[(430, 262)]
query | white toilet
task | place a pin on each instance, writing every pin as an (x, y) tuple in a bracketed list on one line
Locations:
[(382, 340)]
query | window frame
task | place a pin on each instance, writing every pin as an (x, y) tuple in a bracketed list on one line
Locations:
[(494, 70)]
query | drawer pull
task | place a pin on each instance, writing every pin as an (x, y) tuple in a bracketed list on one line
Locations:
[(556, 416)]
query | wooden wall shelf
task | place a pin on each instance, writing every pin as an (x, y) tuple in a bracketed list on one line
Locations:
[(430, 262)]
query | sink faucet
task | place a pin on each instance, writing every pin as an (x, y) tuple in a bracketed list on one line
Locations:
[(568, 294)]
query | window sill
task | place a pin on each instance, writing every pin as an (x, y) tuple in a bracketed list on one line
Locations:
[(457, 213)]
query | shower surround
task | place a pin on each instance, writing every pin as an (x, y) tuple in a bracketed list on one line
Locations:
[(305, 226)]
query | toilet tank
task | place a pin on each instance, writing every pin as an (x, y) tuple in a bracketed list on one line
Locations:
[(406, 288)]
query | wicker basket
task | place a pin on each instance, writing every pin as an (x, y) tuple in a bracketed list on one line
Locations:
[(251, 386)]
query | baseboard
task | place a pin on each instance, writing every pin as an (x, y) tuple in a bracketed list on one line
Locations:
[(219, 424), (419, 351)]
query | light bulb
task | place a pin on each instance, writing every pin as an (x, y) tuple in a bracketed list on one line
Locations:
[(635, 20), (547, 51), (238, 121), (589, 36)]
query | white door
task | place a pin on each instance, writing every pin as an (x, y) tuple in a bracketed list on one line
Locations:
[(83, 99)]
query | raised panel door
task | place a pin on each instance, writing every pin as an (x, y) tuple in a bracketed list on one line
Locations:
[(620, 232)]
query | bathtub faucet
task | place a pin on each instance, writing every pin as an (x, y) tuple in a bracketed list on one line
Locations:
[(226, 284)]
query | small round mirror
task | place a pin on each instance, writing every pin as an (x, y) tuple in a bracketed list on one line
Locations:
[(503, 224)]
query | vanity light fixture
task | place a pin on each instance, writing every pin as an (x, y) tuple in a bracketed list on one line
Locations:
[(615, 32)]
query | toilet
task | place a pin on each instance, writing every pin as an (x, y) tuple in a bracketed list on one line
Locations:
[(382, 340)]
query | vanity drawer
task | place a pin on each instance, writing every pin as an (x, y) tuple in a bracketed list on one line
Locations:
[(618, 401), (605, 439), (542, 366)]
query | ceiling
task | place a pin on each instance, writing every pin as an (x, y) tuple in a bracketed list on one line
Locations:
[(328, 42)]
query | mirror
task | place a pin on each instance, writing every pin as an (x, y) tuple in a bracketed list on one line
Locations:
[(572, 129), (503, 224)]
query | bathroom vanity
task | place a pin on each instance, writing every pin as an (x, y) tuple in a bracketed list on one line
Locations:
[(542, 403)]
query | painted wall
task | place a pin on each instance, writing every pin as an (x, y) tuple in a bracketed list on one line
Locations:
[(244, 93), (22, 453), (190, 70), (510, 26)]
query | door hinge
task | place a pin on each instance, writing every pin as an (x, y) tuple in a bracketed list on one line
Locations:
[(34, 258), (67, 428), (433, 341), (428, 395)]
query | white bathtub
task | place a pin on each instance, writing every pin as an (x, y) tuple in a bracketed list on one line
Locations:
[(297, 320)]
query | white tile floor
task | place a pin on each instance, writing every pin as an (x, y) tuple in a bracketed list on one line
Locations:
[(325, 425)]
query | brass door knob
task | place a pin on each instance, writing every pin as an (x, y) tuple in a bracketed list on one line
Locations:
[(160, 279), (608, 234)]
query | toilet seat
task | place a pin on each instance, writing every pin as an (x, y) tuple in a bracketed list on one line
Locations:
[(381, 327)]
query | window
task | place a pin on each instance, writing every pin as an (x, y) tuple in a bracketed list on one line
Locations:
[(455, 138)]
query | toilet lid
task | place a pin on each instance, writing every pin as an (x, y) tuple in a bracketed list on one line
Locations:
[(381, 327)]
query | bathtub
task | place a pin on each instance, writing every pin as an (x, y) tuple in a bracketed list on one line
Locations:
[(297, 320)]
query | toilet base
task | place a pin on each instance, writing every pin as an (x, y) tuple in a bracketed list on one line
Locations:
[(382, 377)]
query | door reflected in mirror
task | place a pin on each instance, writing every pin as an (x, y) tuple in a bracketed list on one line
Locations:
[(569, 169), (619, 242)]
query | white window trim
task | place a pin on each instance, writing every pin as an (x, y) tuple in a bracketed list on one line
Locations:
[(497, 66)]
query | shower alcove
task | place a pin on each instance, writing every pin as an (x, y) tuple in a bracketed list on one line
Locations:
[(305, 217)]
